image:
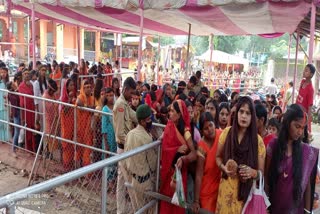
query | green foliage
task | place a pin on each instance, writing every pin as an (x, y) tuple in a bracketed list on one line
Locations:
[(164, 40), (254, 47), (200, 44), (231, 44), (279, 49)]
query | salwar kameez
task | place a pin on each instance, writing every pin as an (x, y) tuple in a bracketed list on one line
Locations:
[(4, 128)]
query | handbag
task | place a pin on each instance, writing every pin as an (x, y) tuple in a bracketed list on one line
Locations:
[(257, 201), (21, 137), (178, 196)]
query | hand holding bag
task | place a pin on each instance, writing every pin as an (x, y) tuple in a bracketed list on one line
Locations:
[(179, 197), (257, 201)]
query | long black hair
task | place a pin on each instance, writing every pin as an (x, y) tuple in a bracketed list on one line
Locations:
[(42, 79), (116, 91), (181, 126), (192, 124), (293, 113), (97, 88), (246, 151)]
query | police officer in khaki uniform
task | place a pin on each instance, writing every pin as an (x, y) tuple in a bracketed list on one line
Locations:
[(123, 121), (141, 167)]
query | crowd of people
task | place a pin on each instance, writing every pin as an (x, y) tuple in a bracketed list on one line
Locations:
[(222, 143)]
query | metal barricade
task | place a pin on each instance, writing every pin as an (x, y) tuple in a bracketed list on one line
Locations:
[(67, 194), (71, 138)]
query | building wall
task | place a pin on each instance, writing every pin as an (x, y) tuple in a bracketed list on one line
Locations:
[(70, 37)]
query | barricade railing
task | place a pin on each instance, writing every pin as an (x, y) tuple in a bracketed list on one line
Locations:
[(69, 193), (71, 136), (120, 74)]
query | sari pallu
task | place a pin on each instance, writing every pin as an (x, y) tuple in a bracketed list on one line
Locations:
[(67, 130), (28, 116), (84, 131), (172, 140)]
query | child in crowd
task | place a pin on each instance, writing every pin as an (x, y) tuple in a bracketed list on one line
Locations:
[(273, 127), (273, 130)]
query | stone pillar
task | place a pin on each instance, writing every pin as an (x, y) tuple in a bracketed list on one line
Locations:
[(43, 38), (59, 42), (97, 46), (81, 43), (21, 50), (20, 23)]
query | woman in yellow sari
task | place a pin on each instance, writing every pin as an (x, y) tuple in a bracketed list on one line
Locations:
[(240, 155)]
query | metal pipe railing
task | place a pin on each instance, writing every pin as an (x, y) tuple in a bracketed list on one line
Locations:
[(59, 138), (10, 199), (110, 74), (68, 105)]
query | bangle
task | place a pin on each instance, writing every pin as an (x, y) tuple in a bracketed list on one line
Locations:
[(220, 165), (307, 211)]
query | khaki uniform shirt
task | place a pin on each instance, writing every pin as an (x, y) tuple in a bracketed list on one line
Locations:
[(123, 119), (144, 162), (197, 87)]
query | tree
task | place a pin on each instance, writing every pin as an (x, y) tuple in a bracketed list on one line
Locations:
[(200, 44), (231, 44), (164, 40)]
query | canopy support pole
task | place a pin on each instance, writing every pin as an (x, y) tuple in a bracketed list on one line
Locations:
[(78, 44), (116, 35), (312, 29), (211, 51), (295, 66), (158, 61), (288, 60), (120, 54), (301, 48), (188, 54), (33, 23), (28, 48), (140, 44)]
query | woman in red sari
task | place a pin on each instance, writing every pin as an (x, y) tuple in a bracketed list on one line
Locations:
[(84, 131), (67, 124), (27, 117), (177, 149)]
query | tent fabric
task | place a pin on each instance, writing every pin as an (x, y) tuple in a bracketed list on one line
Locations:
[(147, 4), (171, 17), (222, 57)]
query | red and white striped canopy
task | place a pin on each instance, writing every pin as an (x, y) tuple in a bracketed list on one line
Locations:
[(171, 17)]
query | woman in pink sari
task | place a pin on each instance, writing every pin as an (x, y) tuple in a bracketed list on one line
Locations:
[(27, 117), (177, 149)]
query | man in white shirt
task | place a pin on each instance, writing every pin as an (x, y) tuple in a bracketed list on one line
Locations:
[(272, 88)]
